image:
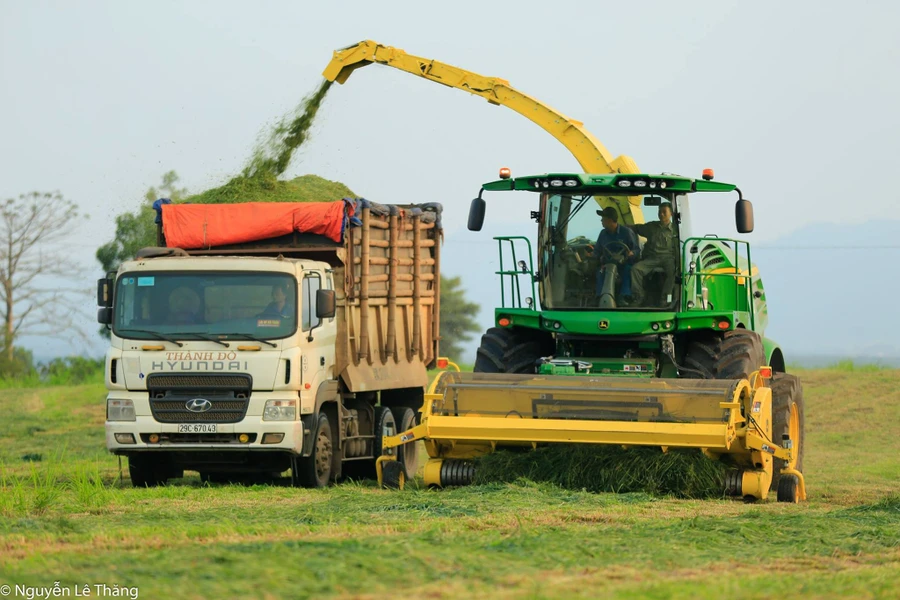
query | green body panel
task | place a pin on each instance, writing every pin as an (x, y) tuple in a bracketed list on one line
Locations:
[(717, 269), (618, 323), (623, 367)]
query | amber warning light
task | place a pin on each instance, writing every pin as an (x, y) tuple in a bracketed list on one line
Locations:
[(708, 174), (765, 372), (443, 363), (505, 173)]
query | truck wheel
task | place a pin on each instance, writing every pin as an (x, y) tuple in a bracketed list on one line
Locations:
[(787, 418), (385, 425), (514, 350), (734, 355), (407, 454), (314, 471), (147, 471)]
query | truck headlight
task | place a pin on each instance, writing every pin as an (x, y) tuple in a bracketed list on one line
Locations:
[(119, 410), (280, 410)]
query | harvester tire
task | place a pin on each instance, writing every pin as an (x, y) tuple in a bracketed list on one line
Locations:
[(407, 454), (786, 391), (789, 489), (392, 475), (513, 350), (734, 355), (314, 471)]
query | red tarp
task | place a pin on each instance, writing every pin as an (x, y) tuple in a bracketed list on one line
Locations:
[(206, 225)]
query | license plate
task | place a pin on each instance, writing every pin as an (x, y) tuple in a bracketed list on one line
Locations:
[(196, 428)]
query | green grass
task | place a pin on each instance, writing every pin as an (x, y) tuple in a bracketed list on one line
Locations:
[(68, 517), (682, 473)]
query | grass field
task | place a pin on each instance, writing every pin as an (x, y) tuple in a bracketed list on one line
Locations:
[(65, 516)]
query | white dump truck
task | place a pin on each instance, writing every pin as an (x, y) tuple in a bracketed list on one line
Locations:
[(262, 338)]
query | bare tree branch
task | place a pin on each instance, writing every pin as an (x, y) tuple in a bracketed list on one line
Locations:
[(29, 227)]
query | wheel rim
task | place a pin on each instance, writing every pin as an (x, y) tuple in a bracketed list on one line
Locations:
[(323, 456), (794, 432)]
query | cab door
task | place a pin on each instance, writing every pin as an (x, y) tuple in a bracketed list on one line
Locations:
[(319, 335)]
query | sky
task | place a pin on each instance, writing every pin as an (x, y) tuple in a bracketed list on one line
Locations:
[(795, 102)]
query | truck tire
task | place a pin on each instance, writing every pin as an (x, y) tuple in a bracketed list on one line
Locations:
[(385, 424), (513, 350), (734, 355), (787, 393), (408, 454), (314, 471), (148, 470)]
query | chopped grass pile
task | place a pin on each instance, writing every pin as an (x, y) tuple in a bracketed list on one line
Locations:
[(259, 182), (307, 188), (682, 473)]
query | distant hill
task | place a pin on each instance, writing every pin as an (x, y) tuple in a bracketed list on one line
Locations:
[(833, 290)]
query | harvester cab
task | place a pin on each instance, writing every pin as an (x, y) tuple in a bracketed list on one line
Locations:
[(680, 364), (627, 292)]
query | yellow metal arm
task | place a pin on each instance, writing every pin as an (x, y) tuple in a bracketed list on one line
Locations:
[(587, 149)]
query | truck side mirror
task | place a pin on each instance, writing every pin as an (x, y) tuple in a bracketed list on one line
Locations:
[(743, 216), (325, 304), (105, 315), (476, 214), (104, 292)]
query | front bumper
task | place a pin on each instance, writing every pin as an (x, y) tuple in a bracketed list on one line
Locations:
[(254, 426)]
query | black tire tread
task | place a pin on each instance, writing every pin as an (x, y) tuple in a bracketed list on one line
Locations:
[(404, 419), (511, 350), (392, 473), (306, 465), (734, 355), (786, 389), (147, 471)]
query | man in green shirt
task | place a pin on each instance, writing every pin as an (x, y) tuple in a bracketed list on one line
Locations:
[(660, 252)]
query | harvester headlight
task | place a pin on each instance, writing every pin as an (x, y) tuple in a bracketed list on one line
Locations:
[(662, 184), (546, 184), (625, 183), (667, 324), (571, 183), (652, 184), (280, 410), (556, 182), (655, 326), (556, 324), (119, 410), (640, 184)]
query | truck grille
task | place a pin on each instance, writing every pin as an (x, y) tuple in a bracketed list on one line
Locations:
[(228, 395), (199, 381)]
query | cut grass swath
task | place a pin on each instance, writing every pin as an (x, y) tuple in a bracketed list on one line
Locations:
[(682, 473)]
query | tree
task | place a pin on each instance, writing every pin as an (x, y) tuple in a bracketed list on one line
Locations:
[(457, 317), (29, 225), (136, 230)]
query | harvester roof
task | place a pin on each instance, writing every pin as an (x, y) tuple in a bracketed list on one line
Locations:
[(608, 184)]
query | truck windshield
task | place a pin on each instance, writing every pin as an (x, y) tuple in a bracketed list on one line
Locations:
[(569, 261), (190, 305)]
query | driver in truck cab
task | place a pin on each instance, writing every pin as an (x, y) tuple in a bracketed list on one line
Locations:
[(279, 307), (660, 253), (615, 240)]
